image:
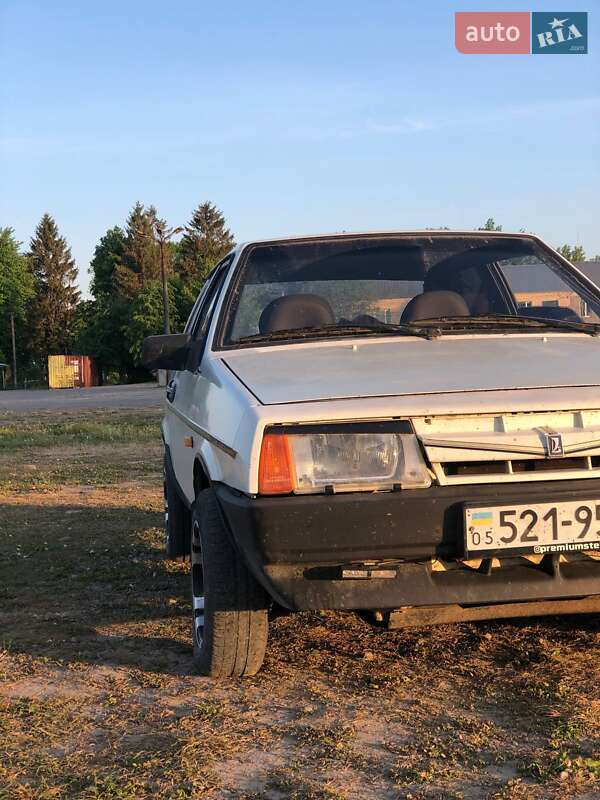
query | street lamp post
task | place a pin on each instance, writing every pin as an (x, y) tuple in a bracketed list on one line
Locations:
[(166, 320), (162, 235)]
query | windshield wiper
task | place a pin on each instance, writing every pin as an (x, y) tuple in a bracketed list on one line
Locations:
[(339, 330), (426, 328), (494, 322)]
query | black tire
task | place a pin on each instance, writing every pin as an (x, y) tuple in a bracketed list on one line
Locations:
[(178, 520), (230, 609)]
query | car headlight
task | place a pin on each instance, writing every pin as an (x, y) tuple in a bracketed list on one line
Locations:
[(340, 458)]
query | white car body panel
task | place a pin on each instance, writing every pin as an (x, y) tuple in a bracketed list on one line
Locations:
[(216, 402), (240, 419)]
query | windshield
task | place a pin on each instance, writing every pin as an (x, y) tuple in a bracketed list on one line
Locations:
[(330, 285)]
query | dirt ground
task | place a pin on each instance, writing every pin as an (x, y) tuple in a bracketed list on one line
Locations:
[(98, 698)]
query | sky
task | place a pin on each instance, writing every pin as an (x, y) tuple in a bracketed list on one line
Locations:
[(292, 118)]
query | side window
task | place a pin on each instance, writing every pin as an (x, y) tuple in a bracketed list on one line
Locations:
[(189, 325), (541, 291), (205, 295), (201, 323)]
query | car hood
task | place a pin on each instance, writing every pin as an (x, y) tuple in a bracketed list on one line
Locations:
[(299, 373)]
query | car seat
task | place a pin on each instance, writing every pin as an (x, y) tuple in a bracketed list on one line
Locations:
[(296, 311)]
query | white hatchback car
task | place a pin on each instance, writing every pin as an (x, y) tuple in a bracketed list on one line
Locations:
[(404, 424)]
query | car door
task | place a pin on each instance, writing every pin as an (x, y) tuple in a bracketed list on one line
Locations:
[(187, 390)]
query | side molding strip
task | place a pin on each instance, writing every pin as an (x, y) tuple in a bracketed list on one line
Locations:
[(201, 432)]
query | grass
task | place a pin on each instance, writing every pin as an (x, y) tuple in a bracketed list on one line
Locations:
[(98, 700), (45, 452), (112, 427)]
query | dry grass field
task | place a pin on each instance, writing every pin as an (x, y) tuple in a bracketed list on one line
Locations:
[(98, 699)]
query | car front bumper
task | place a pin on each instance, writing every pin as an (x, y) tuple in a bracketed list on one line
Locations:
[(298, 546)]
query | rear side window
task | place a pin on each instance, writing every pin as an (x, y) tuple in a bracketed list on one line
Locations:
[(541, 291)]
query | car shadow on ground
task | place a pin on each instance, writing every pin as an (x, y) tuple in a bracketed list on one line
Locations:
[(83, 583), (89, 583)]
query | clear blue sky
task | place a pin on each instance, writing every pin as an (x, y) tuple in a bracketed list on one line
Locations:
[(292, 118)]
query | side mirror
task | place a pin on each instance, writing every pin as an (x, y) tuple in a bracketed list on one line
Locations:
[(166, 352)]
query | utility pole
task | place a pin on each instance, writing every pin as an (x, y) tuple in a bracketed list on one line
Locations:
[(14, 350), (163, 235), (165, 291)]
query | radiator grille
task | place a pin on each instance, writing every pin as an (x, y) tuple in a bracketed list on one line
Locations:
[(512, 466), (511, 447)]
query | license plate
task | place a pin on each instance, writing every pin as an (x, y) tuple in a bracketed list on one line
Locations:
[(564, 527)]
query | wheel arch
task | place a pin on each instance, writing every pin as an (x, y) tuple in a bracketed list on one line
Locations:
[(201, 476)]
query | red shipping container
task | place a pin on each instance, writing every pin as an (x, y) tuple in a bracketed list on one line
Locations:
[(75, 372)]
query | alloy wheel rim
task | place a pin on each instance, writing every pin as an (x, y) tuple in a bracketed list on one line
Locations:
[(197, 586)]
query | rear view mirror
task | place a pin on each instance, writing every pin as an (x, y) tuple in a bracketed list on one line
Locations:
[(166, 352)]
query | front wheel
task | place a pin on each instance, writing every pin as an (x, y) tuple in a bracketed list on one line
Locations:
[(230, 609)]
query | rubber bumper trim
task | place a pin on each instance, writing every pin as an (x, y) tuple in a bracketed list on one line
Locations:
[(288, 541)]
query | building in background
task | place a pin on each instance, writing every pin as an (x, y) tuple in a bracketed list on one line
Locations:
[(591, 269), (531, 284)]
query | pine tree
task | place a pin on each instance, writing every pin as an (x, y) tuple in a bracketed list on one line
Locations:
[(108, 254), (56, 295), (205, 241), (126, 280), (140, 262)]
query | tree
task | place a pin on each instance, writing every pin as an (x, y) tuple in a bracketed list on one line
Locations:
[(56, 296), (490, 225), (109, 253), (16, 291), (126, 271), (575, 253), (205, 241), (104, 319), (126, 283), (147, 317), (140, 260)]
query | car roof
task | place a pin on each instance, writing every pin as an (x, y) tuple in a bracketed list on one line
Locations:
[(405, 233)]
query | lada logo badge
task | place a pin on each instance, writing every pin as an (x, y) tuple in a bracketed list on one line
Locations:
[(554, 445)]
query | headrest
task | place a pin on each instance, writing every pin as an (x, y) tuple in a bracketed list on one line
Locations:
[(435, 304), (296, 311)]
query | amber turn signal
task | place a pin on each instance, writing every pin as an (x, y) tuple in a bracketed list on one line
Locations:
[(276, 468)]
